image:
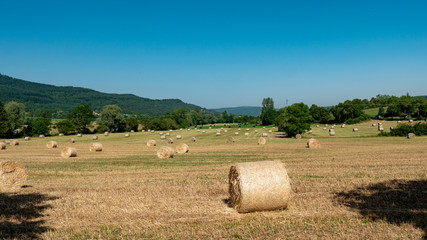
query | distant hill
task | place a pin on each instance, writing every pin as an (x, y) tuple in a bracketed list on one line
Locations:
[(250, 111), (42, 96)]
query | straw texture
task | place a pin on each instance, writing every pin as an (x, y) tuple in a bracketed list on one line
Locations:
[(165, 152), (95, 147), (182, 148), (51, 144), (12, 176), (68, 152)]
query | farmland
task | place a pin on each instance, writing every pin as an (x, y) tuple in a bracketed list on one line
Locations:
[(356, 186)]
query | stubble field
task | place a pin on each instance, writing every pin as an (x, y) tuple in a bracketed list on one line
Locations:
[(356, 186)]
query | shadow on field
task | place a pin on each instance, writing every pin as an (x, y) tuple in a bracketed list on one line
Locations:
[(395, 201), (19, 214)]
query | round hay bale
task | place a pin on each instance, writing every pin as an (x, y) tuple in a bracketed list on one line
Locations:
[(332, 127), (270, 131), (298, 136), (411, 121), (380, 124), (313, 143), (399, 121), (14, 142), (343, 126), (163, 137), (182, 148), (264, 135), (380, 128), (263, 127), (106, 134), (374, 125), (2, 145), (132, 131), (236, 133), (310, 132), (317, 126), (167, 134), (218, 133), (262, 141), (151, 143), (324, 129), (12, 175), (411, 135), (225, 130), (79, 135), (160, 133), (246, 134), (391, 128), (165, 152), (68, 152), (210, 127), (256, 131), (259, 186), (61, 134), (52, 144), (27, 138), (203, 131), (41, 136), (178, 136), (152, 131), (198, 130), (95, 138), (169, 140), (95, 147), (231, 139), (170, 130), (188, 129), (247, 129), (127, 135), (72, 140), (331, 133), (7, 142), (192, 139), (355, 129)]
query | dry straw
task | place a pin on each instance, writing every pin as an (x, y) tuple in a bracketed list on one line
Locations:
[(41, 136), (178, 136), (79, 135), (127, 135), (72, 140), (182, 148), (231, 139), (95, 138), (68, 152), (151, 143), (132, 131), (262, 141), (264, 134), (298, 136), (165, 152), (61, 134), (12, 176), (218, 133), (169, 140), (168, 134), (27, 138), (313, 143), (106, 134), (192, 139), (95, 147), (246, 134), (236, 133), (355, 129), (51, 144), (259, 186), (163, 137), (2, 145), (14, 142), (411, 135)]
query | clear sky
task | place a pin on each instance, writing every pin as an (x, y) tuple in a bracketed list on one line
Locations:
[(220, 53)]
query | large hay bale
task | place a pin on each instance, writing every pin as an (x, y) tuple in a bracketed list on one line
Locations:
[(182, 148), (313, 143), (14, 142), (332, 127), (52, 144), (2, 145), (165, 152), (391, 128), (178, 136), (298, 136), (72, 140), (411, 135), (160, 133), (169, 140), (151, 143), (262, 141), (192, 139), (106, 134), (12, 176), (231, 139), (247, 129), (264, 135), (95, 147), (95, 138), (27, 138), (355, 129), (259, 186), (68, 152), (7, 142)]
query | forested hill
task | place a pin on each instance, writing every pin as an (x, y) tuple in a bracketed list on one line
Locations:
[(37, 96), (250, 111)]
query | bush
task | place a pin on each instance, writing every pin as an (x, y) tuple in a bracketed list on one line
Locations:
[(102, 128), (419, 129), (66, 127), (294, 120)]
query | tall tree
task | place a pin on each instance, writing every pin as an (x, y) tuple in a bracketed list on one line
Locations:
[(81, 117), (16, 114), (294, 119), (112, 117), (4, 122), (268, 113)]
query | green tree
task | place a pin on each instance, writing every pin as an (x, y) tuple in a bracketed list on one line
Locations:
[(4, 122), (81, 117), (65, 126), (294, 119), (131, 124), (38, 127), (16, 114), (112, 117), (320, 114), (268, 113)]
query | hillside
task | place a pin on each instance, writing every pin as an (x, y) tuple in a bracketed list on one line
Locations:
[(53, 98), (251, 111)]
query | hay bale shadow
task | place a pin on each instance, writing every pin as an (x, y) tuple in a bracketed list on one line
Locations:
[(20, 215), (395, 201)]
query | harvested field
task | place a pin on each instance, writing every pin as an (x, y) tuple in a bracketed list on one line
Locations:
[(356, 186)]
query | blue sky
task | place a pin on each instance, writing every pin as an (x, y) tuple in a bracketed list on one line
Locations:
[(220, 53)]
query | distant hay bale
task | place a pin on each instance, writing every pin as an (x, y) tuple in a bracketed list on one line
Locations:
[(411, 120), (264, 134), (298, 136), (313, 143), (152, 131), (106, 134), (398, 121), (391, 128), (411, 135), (7, 142), (2, 145), (12, 176), (247, 129), (246, 134), (143, 130), (343, 126), (380, 128), (374, 125), (256, 131), (238, 129), (170, 130), (167, 134), (165, 152), (68, 152), (332, 127), (182, 148), (218, 133), (331, 133), (188, 129), (95, 138), (52, 144), (61, 134), (72, 140), (203, 131), (192, 139), (231, 139), (178, 136), (210, 127), (326, 125), (169, 140), (198, 130), (324, 129), (317, 126), (380, 124), (263, 127), (310, 132), (270, 131), (27, 138), (14, 142), (222, 128), (41, 136), (262, 141), (236, 133), (132, 131), (95, 147), (259, 186), (79, 135), (160, 133), (151, 143), (163, 137), (225, 130), (127, 135), (355, 129)]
